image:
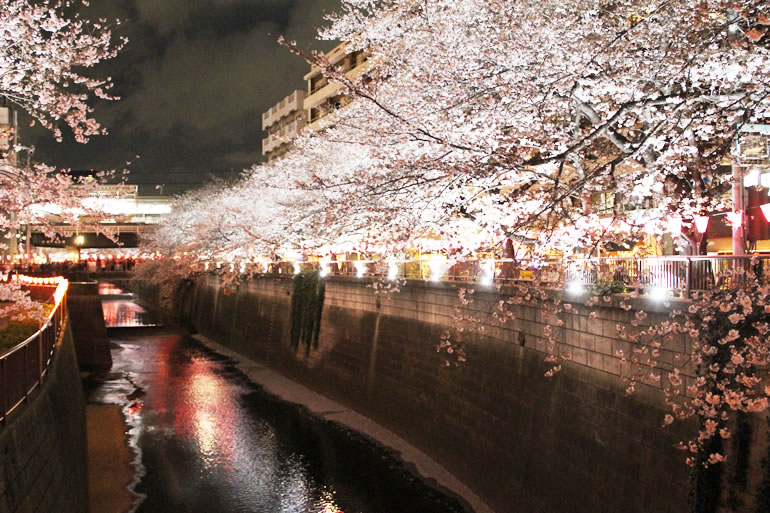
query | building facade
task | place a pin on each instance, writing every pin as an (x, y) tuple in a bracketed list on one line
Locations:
[(324, 97), (286, 120), (282, 123)]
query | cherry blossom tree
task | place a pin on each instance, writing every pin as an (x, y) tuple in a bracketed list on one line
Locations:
[(45, 48), (481, 120), (513, 114)]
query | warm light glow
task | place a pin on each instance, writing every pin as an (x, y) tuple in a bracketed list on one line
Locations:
[(79, 240), (658, 294), (701, 223), (575, 287), (487, 273)]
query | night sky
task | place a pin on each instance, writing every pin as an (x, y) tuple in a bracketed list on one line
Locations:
[(194, 79)]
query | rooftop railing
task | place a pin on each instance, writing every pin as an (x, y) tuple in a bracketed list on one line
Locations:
[(23, 366), (680, 274)]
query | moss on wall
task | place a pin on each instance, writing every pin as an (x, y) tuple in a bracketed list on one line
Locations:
[(307, 302)]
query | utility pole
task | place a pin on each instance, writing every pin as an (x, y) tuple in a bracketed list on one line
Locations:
[(739, 236)]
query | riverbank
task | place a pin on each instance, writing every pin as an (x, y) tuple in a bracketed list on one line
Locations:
[(109, 460), (318, 405)]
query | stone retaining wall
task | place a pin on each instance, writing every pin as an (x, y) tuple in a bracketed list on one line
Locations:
[(524, 443), (43, 447)]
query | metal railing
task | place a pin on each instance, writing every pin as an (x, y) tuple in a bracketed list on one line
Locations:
[(23, 367), (674, 273)]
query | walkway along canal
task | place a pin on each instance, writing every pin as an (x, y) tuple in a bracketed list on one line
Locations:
[(206, 439)]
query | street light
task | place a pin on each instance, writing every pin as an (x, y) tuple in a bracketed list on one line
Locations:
[(79, 240), (701, 225)]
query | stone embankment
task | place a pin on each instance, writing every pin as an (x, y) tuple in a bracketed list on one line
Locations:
[(522, 442)]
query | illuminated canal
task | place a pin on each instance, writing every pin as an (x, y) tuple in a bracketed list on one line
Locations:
[(208, 440)]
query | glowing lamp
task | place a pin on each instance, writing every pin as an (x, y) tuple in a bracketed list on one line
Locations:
[(324, 271), (701, 223), (658, 294), (79, 240), (736, 218), (488, 273), (393, 272), (575, 288), (766, 211)]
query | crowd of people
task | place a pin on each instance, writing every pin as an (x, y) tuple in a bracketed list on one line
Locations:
[(68, 268)]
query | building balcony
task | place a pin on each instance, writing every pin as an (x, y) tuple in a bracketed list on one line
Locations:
[(329, 90), (285, 135), (292, 103)]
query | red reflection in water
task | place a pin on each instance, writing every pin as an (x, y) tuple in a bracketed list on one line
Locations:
[(123, 314), (109, 289), (206, 414), (189, 416)]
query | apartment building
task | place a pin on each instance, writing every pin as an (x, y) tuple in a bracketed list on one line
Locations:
[(288, 118), (324, 97), (282, 123)]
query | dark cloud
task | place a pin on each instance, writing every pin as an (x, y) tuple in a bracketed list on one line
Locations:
[(193, 80)]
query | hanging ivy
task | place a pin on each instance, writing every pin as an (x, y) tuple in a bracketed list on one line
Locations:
[(306, 308)]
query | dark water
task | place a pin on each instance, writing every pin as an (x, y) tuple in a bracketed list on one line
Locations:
[(210, 441)]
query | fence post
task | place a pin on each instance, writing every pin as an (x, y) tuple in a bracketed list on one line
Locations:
[(26, 371), (40, 354), (4, 400), (688, 278)]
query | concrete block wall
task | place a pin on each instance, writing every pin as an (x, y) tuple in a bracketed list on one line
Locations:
[(43, 466), (524, 443)]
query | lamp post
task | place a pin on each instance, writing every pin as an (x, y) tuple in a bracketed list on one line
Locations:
[(701, 225), (79, 240)]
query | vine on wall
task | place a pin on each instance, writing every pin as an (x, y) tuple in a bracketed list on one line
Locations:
[(306, 308)]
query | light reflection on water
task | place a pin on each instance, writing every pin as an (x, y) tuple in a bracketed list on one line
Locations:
[(124, 313), (109, 289), (212, 442)]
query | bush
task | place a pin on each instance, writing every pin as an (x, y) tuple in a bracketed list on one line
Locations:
[(604, 287), (17, 332)]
